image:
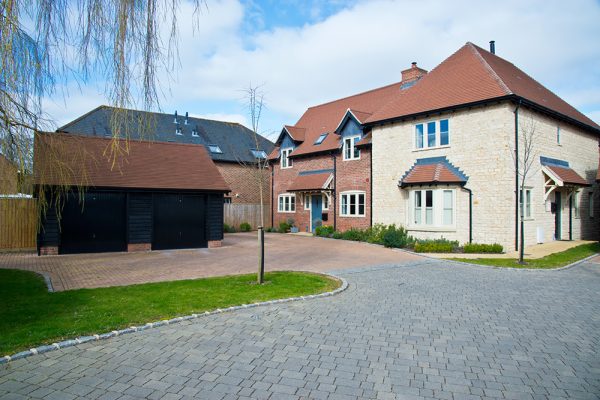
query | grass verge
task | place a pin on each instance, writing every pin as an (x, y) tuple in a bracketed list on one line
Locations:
[(30, 316), (555, 260)]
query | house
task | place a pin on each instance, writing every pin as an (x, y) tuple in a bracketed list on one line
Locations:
[(154, 195), (443, 156), (321, 166), (233, 148)]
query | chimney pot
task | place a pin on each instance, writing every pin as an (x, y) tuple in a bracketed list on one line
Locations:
[(413, 73), (493, 46)]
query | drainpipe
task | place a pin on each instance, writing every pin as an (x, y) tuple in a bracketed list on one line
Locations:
[(517, 175), (334, 192), (571, 217), (371, 182), (470, 213)]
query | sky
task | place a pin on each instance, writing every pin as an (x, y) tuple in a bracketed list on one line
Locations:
[(306, 52)]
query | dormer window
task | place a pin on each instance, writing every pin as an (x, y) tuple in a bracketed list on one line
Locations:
[(213, 148), (178, 130), (351, 152), (195, 133), (175, 119), (260, 154), (321, 138), (286, 162)]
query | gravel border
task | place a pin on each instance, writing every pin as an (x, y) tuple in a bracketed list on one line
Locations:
[(156, 324)]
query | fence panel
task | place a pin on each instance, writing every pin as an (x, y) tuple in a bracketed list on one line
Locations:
[(234, 214), (18, 223)]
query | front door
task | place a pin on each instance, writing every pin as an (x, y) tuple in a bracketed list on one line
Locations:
[(316, 213), (557, 216)]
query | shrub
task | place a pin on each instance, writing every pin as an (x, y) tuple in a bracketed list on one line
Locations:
[(356, 235), (228, 228), (436, 246), (284, 227), (245, 227), (483, 248), (396, 237), (336, 235), (324, 231)]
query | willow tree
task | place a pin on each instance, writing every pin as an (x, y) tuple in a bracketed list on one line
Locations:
[(46, 46)]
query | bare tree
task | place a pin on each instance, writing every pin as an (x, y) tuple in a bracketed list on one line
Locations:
[(255, 105), (524, 163), (46, 45)]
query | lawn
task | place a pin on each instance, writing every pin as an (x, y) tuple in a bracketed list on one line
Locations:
[(555, 260), (30, 316)]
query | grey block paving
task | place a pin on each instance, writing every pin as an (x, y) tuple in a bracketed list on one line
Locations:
[(431, 329)]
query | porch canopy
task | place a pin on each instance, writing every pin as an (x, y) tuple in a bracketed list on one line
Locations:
[(312, 181), (559, 174), (433, 170)]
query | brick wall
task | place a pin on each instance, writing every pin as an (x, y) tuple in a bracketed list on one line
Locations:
[(244, 182), (352, 175)]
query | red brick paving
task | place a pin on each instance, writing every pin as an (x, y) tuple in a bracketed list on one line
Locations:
[(237, 256)]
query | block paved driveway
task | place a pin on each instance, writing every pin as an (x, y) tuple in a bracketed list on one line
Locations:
[(238, 255), (428, 329)]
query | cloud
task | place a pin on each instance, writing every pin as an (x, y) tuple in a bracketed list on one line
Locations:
[(239, 118), (367, 46)]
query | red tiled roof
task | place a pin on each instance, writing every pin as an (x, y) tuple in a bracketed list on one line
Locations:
[(326, 117), (434, 172), (296, 133), (470, 75), (365, 141), (361, 115), (310, 182), (567, 175), (63, 159), (274, 154)]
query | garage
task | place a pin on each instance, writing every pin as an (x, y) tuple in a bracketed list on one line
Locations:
[(179, 220), (156, 196), (95, 225)]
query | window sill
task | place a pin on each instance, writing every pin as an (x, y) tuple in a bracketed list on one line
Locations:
[(350, 159), (351, 216), (432, 228), (431, 148), (286, 212)]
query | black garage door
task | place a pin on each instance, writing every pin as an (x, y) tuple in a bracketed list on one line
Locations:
[(179, 221), (97, 225)]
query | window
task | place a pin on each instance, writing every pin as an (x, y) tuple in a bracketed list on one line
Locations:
[(194, 132), (178, 130), (259, 154), (591, 204), (351, 152), (429, 134), (432, 208), (321, 138), (286, 162), (325, 202), (215, 149), (526, 209), (352, 204), (558, 135), (287, 203), (307, 200), (576, 200)]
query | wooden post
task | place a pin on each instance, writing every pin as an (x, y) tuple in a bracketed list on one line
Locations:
[(261, 255)]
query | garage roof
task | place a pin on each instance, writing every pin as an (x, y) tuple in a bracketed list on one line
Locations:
[(62, 159)]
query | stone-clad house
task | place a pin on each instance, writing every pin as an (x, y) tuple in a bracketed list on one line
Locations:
[(321, 166), (443, 163), (232, 147)]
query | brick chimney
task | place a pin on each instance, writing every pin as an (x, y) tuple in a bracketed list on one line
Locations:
[(412, 74)]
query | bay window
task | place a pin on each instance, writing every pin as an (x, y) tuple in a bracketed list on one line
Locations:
[(432, 208)]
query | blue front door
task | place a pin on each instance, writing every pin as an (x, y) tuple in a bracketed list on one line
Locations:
[(316, 213)]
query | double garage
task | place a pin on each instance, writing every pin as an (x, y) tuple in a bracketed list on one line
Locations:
[(162, 196)]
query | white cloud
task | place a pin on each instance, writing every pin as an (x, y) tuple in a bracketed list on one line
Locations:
[(369, 44), (239, 118)]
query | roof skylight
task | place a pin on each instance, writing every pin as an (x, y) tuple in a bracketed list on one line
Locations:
[(321, 138), (259, 153), (213, 148)]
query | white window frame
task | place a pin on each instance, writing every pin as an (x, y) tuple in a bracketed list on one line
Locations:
[(353, 154), (558, 134), (419, 221), (288, 206), (325, 202), (528, 203), (437, 138), (285, 158), (307, 201), (348, 201), (576, 196)]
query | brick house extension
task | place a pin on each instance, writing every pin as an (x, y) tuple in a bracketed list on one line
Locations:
[(231, 146), (321, 166), (443, 163)]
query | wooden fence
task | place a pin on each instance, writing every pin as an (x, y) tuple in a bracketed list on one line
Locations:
[(235, 214), (18, 223)]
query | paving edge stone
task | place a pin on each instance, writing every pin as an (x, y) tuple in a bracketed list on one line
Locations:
[(103, 336), (568, 266)]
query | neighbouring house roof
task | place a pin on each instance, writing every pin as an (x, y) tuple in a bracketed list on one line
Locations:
[(235, 140), (561, 173), (431, 171), (311, 180), (325, 118), (472, 75), (65, 159)]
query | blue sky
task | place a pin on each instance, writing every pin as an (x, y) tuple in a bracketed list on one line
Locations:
[(307, 52)]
